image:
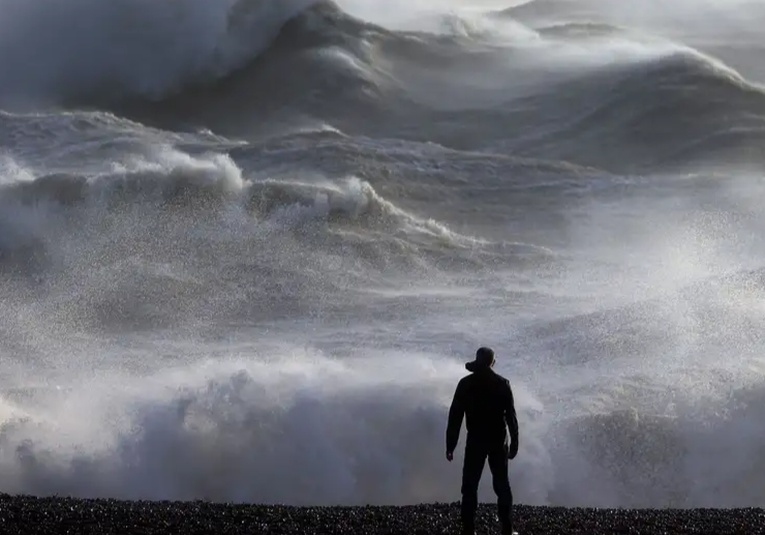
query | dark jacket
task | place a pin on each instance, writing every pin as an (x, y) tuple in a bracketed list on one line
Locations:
[(486, 401)]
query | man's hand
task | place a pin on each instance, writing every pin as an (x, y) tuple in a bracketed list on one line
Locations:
[(513, 450), (449, 456)]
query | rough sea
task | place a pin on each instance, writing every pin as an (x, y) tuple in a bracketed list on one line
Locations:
[(247, 246)]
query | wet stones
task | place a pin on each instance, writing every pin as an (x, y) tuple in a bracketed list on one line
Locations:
[(29, 516)]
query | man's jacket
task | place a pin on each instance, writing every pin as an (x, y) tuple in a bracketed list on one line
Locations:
[(486, 401)]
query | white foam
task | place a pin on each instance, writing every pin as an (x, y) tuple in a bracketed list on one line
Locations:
[(11, 171), (300, 428), (284, 424)]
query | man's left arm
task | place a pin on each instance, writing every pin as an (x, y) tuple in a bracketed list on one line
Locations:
[(511, 419)]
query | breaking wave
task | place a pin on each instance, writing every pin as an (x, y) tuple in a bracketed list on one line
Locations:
[(133, 47), (305, 429), (264, 66), (644, 99), (173, 238)]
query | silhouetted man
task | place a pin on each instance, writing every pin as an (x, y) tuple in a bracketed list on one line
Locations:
[(486, 400)]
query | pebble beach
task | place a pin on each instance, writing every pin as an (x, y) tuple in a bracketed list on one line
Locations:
[(53, 515)]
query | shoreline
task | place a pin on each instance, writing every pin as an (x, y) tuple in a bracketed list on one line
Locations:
[(37, 515)]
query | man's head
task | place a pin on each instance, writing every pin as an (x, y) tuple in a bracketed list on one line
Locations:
[(484, 359)]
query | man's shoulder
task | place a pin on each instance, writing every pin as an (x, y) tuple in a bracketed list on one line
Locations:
[(468, 382), (467, 379), (502, 379)]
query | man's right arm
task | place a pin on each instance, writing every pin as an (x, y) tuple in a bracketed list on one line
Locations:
[(456, 414), (511, 419)]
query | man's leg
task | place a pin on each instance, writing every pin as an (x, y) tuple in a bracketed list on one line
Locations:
[(501, 483), (475, 459)]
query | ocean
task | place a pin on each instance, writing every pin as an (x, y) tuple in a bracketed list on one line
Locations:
[(247, 246)]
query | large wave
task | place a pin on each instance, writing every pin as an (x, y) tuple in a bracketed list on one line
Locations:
[(297, 427), (52, 51), (168, 237), (554, 92), (267, 66)]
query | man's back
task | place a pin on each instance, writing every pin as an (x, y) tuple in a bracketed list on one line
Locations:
[(486, 400)]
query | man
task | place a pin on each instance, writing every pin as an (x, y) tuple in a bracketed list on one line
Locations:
[(486, 400)]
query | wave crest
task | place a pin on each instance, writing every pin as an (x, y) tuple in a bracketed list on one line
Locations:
[(180, 238), (133, 47)]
